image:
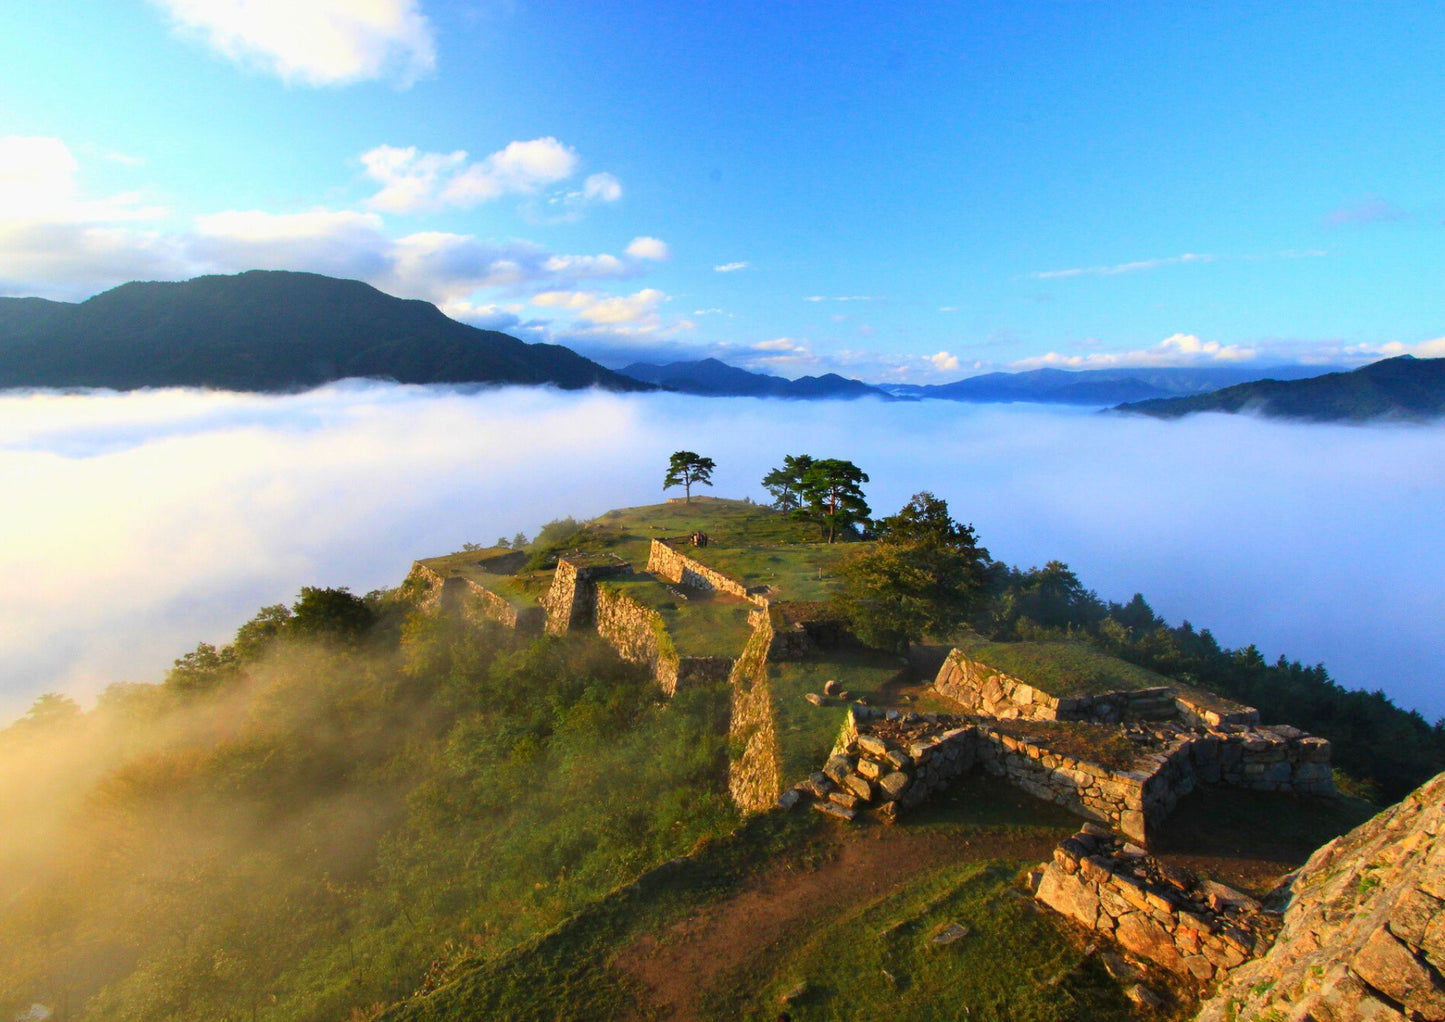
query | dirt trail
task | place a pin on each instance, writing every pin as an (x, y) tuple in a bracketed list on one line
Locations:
[(864, 862)]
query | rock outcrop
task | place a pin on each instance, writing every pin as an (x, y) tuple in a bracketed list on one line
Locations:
[(1364, 930)]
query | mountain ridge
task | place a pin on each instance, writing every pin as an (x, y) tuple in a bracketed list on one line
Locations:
[(267, 330), (1404, 387)]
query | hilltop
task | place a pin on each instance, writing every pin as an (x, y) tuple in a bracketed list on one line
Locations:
[(571, 777), (267, 330), (1402, 388)]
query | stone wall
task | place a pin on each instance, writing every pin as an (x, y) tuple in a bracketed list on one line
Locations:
[(1166, 764), (571, 601), (426, 585), (477, 603), (468, 600), (1364, 928), (1196, 929), (1213, 712), (754, 774), (639, 635), (1127, 800), (983, 689), (666, 561)]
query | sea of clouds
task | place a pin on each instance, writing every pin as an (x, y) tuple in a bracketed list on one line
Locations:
[(136, 525)]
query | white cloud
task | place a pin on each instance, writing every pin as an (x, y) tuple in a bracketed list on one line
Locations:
[(730, 267), (648, 248), (287, 485), (780, 344), (414, 181), (521, 167), (839, 298), (943, 362), (1175, 350), (602, 187), (1425, 349), (315, 42), (1118, 268), (637, 311)]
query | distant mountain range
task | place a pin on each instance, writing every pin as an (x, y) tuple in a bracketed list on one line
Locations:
[(1396, 388), (271, 330), (713, 378), (1098, 387), (267, 330)]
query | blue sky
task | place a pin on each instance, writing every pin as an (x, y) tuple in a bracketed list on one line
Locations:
[(906, 194)]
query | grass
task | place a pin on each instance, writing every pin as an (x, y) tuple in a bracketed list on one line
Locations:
[(703, 624), (1064, 669), (522, 590), (806, 732), (879, 960), (802, 571), (1102, 744), (566, 973)]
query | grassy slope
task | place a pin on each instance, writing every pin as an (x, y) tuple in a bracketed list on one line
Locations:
[(958, 861), (1064, 668)]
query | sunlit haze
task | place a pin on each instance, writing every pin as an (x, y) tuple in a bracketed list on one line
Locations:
[(140, 524)]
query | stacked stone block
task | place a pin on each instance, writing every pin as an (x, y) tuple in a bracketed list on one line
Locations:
[(987, 690), (668, 562), (1196, 929), (931, 750)]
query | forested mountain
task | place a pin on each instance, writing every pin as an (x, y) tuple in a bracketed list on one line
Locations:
[(1395, 388), (1097, 386), (715, 378), (266, 330)]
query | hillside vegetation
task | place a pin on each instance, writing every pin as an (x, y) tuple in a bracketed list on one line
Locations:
[(1404, 387), (266, 330), (362, 808)]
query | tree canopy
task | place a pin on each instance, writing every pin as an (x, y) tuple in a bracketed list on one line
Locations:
[(786, 483), (687, 468), (832, 496), (924, 576)]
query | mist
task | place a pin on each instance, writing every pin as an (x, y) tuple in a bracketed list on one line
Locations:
[(138, 524)]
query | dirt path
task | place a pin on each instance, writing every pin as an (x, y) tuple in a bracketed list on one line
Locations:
[(865, 862)]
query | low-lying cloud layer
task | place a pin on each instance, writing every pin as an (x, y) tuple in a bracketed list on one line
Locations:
[(139, 524)]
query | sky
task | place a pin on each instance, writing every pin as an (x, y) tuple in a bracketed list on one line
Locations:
[(143, 523), (895, 192)]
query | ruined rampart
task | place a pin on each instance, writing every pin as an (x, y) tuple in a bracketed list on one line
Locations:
[(571, 601), (1196, 929), (896, 760), (754, 774), (985, 689), (667, 562), (469, 600)]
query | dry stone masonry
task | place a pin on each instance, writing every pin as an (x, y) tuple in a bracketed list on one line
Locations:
[(1164, 763), (1196, 929), (666, 561), (984, 689)]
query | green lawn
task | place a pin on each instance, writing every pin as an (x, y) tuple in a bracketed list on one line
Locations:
[(879, 961), (1064, 669), (806, 732), (703, 624), (800, 571)]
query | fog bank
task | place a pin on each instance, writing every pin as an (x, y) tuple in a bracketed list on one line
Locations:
[(138, 524)]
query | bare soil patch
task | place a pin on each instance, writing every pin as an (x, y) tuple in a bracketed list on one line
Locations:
[(861, 863)]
